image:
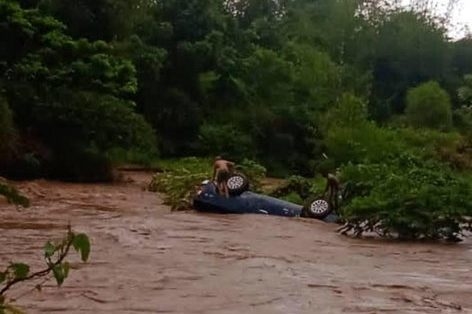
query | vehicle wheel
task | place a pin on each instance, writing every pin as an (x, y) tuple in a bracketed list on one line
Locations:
[(317, 208), (237, 183)]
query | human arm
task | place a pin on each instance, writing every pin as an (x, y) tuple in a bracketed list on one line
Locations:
[(326, 188)]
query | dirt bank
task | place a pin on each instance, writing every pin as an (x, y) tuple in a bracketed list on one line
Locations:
[(146, 259)]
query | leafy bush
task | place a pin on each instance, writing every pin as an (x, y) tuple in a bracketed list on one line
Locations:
[(349, 112), (292, 197), (426, 142), (350, 137), (408, 198), (366, 142), (121, 156), (465, 91), (429, 106), (359, 140), (296, 187), (227, 140), (180, 179), (463, 119)]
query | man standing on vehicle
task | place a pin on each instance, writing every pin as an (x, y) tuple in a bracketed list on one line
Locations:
[(222, 170), (333, 187)]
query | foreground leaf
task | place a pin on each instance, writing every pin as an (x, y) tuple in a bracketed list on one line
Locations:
[(49, 250), (20, 270), (58, 273), (82, 243)]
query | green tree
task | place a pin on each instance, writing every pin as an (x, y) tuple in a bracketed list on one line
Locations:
[(8, 132), (465, 91), (70, 95), (97, 19), (410, 49)]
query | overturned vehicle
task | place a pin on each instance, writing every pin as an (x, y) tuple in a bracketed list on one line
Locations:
[(243, 201)]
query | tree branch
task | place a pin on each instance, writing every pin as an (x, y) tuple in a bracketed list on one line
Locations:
[(41, 273)]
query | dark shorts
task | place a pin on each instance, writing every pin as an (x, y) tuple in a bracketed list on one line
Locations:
[(222, 176)]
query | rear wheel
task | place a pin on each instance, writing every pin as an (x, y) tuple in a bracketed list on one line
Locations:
[(237, 183), (318, 208)]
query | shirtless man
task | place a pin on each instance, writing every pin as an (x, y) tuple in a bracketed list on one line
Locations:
[(332, 186), (221, 171)]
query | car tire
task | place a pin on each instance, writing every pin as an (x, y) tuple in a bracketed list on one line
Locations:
[(237, 183), (318, 208)]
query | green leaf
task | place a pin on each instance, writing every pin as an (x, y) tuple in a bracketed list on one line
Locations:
[(66, 268), (20, 270), (49, 249), (82, 243), (58, 273)]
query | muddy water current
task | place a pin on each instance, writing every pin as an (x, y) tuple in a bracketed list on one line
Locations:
[(146, 259)]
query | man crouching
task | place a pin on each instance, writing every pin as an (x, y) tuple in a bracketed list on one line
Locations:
[(222, 170)]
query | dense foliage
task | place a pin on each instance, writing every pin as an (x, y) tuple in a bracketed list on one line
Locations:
[(69, 98), (247, 78), (409, 199)]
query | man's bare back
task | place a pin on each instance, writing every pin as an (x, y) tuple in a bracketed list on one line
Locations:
[(222, 169)]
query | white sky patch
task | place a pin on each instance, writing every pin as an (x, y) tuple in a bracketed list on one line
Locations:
[(461, 17), (464, 14)]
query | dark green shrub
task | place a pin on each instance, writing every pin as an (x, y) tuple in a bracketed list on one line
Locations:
[(81, 164), (7, 131), (292, 197), (429, 106), (295, 185), (464, 92), (463, 119), (408, 198), (349, 112), (226, 139), (180, 179), (82, 130), (350, 137), (366, 142)]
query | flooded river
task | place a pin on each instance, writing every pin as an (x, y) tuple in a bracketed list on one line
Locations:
[(146, 259)]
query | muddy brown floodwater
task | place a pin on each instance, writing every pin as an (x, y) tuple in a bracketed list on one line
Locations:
[(146, 259)]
